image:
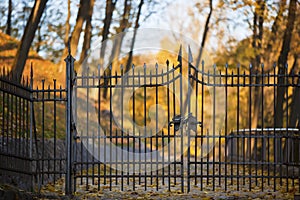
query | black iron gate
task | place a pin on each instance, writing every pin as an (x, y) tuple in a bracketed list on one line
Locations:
[(136, 136), (178, 127)]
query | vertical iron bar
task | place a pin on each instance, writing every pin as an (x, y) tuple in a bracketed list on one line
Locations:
[(20, 125), (27, 125), (100, 131), (269, 145), (15, 124), (250, 122), (226, 124), (127, 135), (196, 133), (122, 127), (274, 121), (94, 141), (174, 132), (232, 141), (286, 83), (181, 114), (54, 130), (83, 82), (188, 103), (263, 149), (43, 128), (140, 147), (69, 68), (4, 120), (156, 125), (168, 107), (189, 132), (110, 127), (87, 134), (214, 124), (238, 125), (31, 118), (118, 136), (105, 133), (207, 139), (163, 137), (23, 126), (220, 138), (202, 120), (134, 131), (244, 139)]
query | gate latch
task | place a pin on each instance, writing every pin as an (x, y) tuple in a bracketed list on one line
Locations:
[(176, 120), (190, 120)]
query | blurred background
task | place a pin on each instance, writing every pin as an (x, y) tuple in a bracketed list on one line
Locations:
[(233, 32)]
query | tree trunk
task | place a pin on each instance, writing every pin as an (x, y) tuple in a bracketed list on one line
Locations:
[(295, 106), (66, 39), (8, 23), (81, 16), (204, 36), (269, 54), (124, 22), (291, 145), (110, 7), (67, 25), (39, 33), (39, 38), (27, 38), (129, 60), (87, 33), (282, 60), (257, 45)]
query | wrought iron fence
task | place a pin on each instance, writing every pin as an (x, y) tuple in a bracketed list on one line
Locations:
[(32, 136), (164, 126)]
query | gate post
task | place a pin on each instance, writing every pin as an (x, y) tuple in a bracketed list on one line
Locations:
[(69, 86)]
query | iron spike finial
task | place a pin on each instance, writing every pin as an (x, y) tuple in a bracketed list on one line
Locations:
[(167, 62), (3, 71), (31, 70), (180, 54), (190, 55), (69, 45)]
